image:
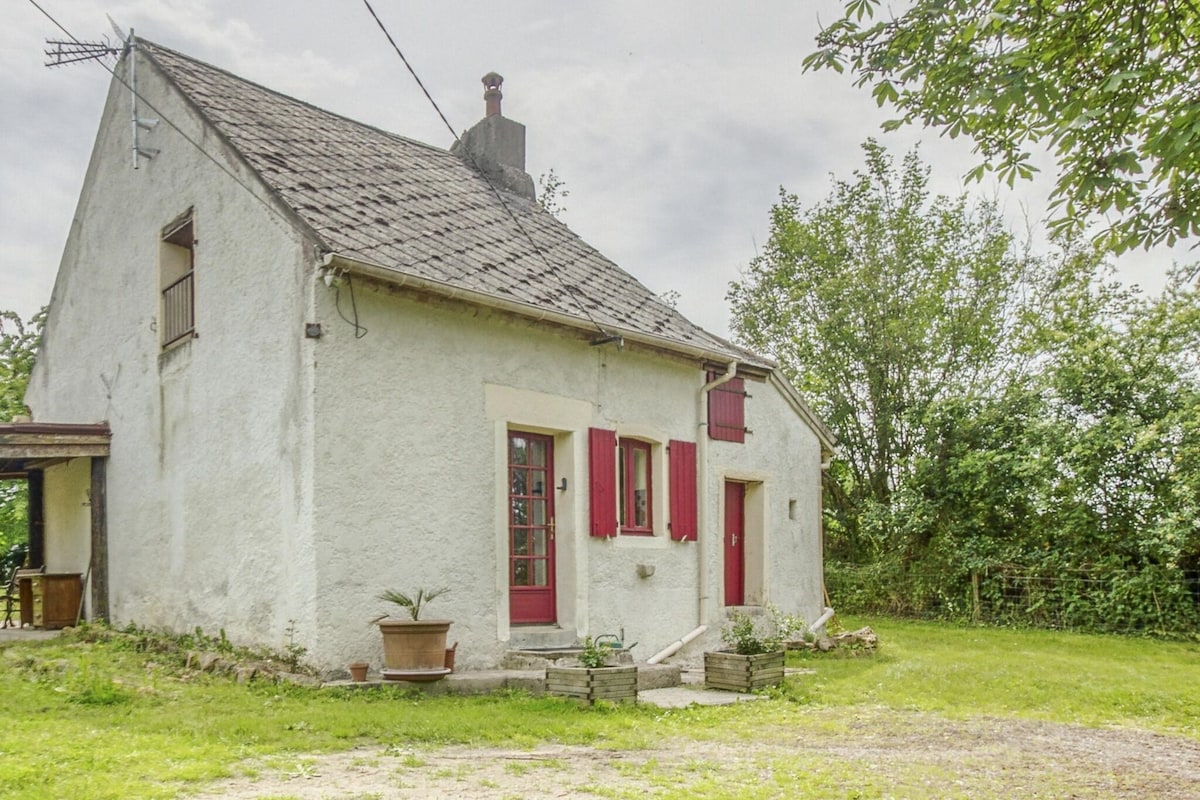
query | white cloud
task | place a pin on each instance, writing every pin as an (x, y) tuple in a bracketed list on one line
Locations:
[(673, 123)]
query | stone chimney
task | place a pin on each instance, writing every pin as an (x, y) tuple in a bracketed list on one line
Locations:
[(496, 144), (491, 93)]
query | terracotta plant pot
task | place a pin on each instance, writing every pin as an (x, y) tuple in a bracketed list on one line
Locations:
[(358, 671), (414, 650)]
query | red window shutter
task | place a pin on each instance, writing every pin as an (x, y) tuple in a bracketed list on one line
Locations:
[(727, 411), (683, 490), (602, 481)]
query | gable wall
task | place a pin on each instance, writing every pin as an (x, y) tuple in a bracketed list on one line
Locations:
[(410, 476), (780, 462), (208, 477)]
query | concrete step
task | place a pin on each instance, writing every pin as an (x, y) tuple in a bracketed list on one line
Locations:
[(650, 676), (542, 657)]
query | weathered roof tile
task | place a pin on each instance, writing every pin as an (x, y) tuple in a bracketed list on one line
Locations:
[(418, 209)]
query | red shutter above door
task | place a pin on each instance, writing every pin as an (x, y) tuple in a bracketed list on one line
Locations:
[(602, 481), (683, 490), (727, 411)]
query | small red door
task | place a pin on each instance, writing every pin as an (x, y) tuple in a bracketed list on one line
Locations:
[(735, 543), (531, 592)]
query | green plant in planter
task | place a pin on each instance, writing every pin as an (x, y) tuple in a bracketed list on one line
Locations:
[(593, 655), (594, 679), (747, 636), (415, 602), (755, 659)]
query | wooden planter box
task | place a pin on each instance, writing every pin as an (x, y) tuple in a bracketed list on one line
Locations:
[(724, 669), (588, 684)]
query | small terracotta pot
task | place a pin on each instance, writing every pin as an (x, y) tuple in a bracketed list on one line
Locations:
[(358, 671), (450, 656)]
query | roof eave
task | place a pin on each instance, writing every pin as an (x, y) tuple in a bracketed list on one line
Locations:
[(27, 446), (400, 278), (273, 196), (828, 440)]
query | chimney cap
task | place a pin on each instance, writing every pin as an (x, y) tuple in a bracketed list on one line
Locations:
[(491, 93)]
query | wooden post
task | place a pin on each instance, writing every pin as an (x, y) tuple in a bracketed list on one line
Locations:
[(98, 566), (37, 519), (976, 611)]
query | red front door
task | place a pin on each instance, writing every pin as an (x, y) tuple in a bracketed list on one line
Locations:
[(735, 543), (531, 595)]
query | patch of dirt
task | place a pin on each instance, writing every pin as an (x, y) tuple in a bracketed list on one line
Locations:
[(873, 751)]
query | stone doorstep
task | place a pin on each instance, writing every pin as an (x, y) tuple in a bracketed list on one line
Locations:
[(540, 659), (663, 685)]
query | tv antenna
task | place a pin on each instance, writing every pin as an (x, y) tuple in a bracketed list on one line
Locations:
[(70, 52), (60, 52)]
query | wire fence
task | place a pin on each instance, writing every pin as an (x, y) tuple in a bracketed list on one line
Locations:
[(1156, 599)]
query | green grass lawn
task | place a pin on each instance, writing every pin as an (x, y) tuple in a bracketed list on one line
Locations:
[(1059, 677), (94, 719)]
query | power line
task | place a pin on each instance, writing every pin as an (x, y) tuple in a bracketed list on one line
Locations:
[(411, 71), (132, 43), (550, 268), (57, 24)]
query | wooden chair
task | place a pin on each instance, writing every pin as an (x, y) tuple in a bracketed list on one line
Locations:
[(13, 560), (10, 598)]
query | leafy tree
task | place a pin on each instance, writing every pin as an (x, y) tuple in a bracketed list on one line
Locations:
[(1081, 478), (552, 190), (14, 523), (18, 348), (1017, 431), (1109, 86), (879, 303)]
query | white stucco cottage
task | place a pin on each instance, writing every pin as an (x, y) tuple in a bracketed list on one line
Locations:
[(302, 360)]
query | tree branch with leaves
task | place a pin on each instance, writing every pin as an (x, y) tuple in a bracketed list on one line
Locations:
[(881, 301), (18, 348), (1109, 87)]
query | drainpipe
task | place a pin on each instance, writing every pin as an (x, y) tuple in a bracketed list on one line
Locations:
[(675, 646), (817, 626), (702, 483)]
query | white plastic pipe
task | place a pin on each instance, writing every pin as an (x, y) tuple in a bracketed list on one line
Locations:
[(820, 623), (672, 649)]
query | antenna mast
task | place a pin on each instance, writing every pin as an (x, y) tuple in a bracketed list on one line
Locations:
[(63, 52), (138, 124)]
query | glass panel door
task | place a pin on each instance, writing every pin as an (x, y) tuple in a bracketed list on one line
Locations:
[(531, 592)]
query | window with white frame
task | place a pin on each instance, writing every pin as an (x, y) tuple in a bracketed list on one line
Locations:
[(635, 510)]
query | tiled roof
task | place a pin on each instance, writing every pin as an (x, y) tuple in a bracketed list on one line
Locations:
[(389, 201)]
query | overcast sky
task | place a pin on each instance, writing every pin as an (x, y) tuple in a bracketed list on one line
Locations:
[(673, 124)]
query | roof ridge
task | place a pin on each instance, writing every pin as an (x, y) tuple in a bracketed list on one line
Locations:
[(378, 197), (392, 134)]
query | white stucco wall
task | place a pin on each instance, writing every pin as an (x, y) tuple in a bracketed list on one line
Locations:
[(209, 474), (260, 481), (410, 482), (781, 462), (68, 515)]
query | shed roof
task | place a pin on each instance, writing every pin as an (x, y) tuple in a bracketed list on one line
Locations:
[(26, 446), (376, 198)]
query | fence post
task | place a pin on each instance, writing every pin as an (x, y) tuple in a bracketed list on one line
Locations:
[(976, 612)]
